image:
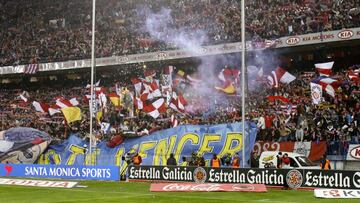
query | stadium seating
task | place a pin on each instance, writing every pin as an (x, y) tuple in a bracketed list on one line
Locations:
[(48, 31)]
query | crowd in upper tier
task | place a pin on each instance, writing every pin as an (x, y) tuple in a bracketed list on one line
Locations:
[(47, 31), (336, 120)]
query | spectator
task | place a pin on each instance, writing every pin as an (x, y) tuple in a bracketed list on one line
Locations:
[(236, 161), (279, 160), (184, 161), (299, 134), (325, 163), (48, 31), (137, 159), (215, 162), (285, 161), (171, 161)]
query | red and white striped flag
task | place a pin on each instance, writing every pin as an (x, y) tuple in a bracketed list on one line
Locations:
[(54, 109), (63, 103), (40, 107), (324, 69), (150, 91), (329, 85), (156, 108), (354, 75), (280, 75), (31, 69), (22, 97), (174, 121), (178, 102), (95, 85)]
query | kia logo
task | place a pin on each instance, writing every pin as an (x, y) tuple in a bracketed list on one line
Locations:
[(123, 59), (292, 40), (355, 152), (345, 34), (162, 55)]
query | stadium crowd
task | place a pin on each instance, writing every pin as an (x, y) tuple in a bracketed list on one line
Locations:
[(336, 120), (48, 31)]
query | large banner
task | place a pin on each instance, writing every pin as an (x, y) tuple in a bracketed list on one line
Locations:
[(293, 178), (60, 171), (22, 145), (312, 150), (156, 148)]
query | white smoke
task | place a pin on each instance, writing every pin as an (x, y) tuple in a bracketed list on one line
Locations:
[(161, 27)]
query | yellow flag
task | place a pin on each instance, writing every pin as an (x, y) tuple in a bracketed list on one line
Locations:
[(71, 114), (230, 89), (115, 101), (98, 116), (181, 73)]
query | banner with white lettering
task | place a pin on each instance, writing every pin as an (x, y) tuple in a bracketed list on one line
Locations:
[(38, 183), (337, 194), (156, 148), (353, 152), (293, 178), (60, 171)]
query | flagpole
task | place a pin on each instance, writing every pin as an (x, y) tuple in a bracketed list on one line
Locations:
[(243, 47), (92, 78)]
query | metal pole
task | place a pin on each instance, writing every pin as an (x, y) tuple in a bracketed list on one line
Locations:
[(92, 77), (243, 47)]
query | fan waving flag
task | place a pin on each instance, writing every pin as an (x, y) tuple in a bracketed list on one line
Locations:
[(114, 98), (229, 88), (31, 69), (324, 69), (40, 107), (281, 98), (155, 108), (63, 103), (54, 109), (229, 77), (328, 85), (174, 121), (22, 97), (354, 76), (316, 93), (137, 84), (71, 114), (280, 75), (178, 102)]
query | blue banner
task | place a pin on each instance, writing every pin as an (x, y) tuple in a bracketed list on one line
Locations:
[(155, 148), (60, 171)]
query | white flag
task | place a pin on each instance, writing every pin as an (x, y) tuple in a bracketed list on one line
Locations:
[(316, 93)]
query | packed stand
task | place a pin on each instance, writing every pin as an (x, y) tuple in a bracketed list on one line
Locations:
[(48, 31), (292, 118)]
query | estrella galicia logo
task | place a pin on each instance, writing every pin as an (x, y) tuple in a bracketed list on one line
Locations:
[(199, 175), (294, 179)]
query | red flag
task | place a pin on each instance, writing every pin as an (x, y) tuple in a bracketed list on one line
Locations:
[(281, 98)]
